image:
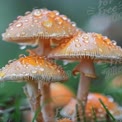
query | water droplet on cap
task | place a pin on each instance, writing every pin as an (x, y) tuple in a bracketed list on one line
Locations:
[(22, 47), (114, 42), (34, 71), (56, 12), (28, 12), (59, 20), (19, 17), (19, 24), (37, 13), (47, 23), (21, 56), (64, 17), (41, 69), (26, 20)]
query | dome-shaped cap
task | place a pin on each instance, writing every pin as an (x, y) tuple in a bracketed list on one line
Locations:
[(40, 23), (92, 45), (32, 68)]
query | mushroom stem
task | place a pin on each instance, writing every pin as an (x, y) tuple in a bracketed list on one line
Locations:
[(87, 71), (33, 95), (43, 48), (47, 108)]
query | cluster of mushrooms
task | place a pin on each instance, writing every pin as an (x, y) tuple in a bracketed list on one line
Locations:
[(56, 37)]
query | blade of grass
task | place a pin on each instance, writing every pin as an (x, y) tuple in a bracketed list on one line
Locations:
[(36, 114), (107, 111), (94, 114), (77, 113)]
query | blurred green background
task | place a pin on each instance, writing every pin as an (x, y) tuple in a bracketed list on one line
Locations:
[(102, 16)]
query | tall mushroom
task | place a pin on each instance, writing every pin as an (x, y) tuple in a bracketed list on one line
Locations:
[(38, 72), (40, 27), (87, 48)]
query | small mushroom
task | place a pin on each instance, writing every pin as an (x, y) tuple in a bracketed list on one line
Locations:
[(60, 94), (39, 72), (40, 27), (93, 103), (87, 48)]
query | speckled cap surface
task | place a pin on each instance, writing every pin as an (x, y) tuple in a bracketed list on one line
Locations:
[(93, 45), (32, 68), (40, 23)]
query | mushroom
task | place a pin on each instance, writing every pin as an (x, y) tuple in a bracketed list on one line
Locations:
[(60, 94), (93, 103), (38, 72), (40, 27), (87, 48)]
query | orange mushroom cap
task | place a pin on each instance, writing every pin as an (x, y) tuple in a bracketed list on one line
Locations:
[(33, 67), (93, 102), (40, 23), (93, 45), (60, 94)]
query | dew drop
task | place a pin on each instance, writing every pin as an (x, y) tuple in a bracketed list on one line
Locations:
[(56, 12), (64, 17), (22, 47), (28, 12), (37, 13), (34, 71), (21, 56), (41, 69), (19, 17), (76, 40), (10, 61), (114, 42), (26, 20), (85, 39), (73, 24), (19, 24), (59, 20), (10, 24), (47, 23), (26, 74)]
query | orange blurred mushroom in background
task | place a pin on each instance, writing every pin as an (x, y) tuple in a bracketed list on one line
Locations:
[(93, 103)]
